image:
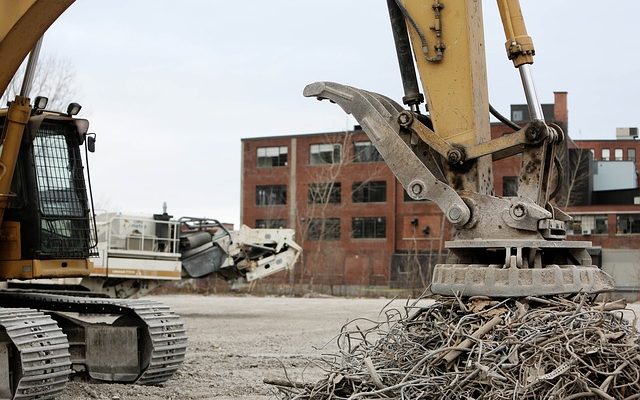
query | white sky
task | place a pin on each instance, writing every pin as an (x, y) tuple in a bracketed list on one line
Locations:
[(171, 87)]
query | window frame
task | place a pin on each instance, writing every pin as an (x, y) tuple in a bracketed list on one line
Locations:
[(278, 157), (618, 154), (335, 153), (330, 233), (634, 224), (270, 223), (367, 191), (511, 180), (374, 155), (517, 115), (378, 229), (267, 203), (334, 196)]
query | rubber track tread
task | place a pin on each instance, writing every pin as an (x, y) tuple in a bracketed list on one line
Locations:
[(43, 351), (168, 339)]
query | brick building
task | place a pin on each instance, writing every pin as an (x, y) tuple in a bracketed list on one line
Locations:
[(610, 215), (358, 228), (349, 212)]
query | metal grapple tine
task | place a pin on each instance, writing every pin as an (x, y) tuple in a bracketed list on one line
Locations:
[(335, 92), (389, 104), (378, 116)]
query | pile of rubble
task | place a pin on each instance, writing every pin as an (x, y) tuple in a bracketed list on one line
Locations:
[(479, 348)]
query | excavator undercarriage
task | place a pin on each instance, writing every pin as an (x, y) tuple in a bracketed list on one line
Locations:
[(136, 341)]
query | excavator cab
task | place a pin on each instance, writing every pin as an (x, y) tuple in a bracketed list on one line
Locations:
[(48, 221)]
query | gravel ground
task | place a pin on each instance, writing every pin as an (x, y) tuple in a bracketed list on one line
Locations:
[(235, 342)]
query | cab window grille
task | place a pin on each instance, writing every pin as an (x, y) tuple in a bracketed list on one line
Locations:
[(62, 196)]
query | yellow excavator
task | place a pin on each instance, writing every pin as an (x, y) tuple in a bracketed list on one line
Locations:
[(502, 246), (46, 231)]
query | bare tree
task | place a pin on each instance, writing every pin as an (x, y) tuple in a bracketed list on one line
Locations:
[(54, 78), (315, 221), (575, 179)]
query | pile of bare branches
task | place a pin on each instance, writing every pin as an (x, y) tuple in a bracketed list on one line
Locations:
[(530, 348)]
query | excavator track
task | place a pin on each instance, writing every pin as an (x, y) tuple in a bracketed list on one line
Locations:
[(42, 351), (168, 336), (163, 340)]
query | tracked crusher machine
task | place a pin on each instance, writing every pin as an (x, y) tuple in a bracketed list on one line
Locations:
[(137, 253)]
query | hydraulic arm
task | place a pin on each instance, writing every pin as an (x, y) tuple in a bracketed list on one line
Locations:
[(502, 246), (22, 24)]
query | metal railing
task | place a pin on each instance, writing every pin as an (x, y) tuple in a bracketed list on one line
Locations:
[(133, 234)]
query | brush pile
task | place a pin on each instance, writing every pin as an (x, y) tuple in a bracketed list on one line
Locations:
[(479, 348)]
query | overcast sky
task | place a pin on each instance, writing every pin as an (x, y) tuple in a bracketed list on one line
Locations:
[(171, 87)]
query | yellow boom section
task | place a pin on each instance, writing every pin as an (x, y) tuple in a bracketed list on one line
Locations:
[(22, 23), (448, 41)]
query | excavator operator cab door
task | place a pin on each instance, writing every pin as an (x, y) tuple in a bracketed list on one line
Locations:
[(51, 203)]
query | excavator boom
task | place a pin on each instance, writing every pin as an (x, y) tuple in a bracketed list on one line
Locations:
[(22, 24)]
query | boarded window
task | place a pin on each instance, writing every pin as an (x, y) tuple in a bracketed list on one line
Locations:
[(589, 225)]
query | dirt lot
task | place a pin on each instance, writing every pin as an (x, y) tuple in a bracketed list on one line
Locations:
[(235, 342)]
